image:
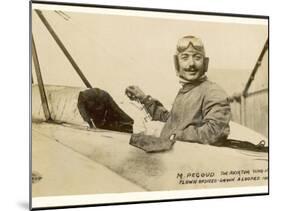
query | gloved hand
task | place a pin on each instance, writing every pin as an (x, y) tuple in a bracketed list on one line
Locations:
[(135, 93)]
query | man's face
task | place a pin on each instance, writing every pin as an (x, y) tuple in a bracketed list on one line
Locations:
[(191, 64)]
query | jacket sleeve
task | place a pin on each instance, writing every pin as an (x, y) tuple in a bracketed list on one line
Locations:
[(214, 126), (155, 109)]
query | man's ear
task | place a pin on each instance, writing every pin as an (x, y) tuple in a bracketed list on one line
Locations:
[(176, 63), (206, 64)]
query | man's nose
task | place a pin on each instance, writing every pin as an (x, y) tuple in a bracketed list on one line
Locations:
[(190, 62)]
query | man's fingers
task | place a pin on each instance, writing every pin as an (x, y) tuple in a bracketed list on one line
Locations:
[(133, 92), (130, 93), (131, 88)]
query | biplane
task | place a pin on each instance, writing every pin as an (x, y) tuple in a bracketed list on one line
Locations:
[(70, 158)]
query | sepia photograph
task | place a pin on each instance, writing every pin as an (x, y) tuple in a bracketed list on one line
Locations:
[(133, 105)]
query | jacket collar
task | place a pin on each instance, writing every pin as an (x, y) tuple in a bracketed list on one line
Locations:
[(187, 85)]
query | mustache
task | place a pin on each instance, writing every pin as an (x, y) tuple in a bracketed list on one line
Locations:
[(191, 69)]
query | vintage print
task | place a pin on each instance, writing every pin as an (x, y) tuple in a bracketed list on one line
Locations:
[(133, 105)]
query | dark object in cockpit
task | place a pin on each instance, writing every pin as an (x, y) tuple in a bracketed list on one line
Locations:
[(99, 110)]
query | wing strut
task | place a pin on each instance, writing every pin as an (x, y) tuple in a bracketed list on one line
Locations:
[(257, 65), (40, 83), (62, 47)]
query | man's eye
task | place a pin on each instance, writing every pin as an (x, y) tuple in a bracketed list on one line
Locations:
[(197, 57)]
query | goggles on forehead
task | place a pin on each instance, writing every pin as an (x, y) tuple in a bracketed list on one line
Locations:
[(185, 42)]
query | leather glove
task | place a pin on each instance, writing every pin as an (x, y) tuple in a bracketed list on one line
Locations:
[(151, 143)]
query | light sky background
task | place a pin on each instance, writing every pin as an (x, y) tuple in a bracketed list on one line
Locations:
[(115, 51)]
